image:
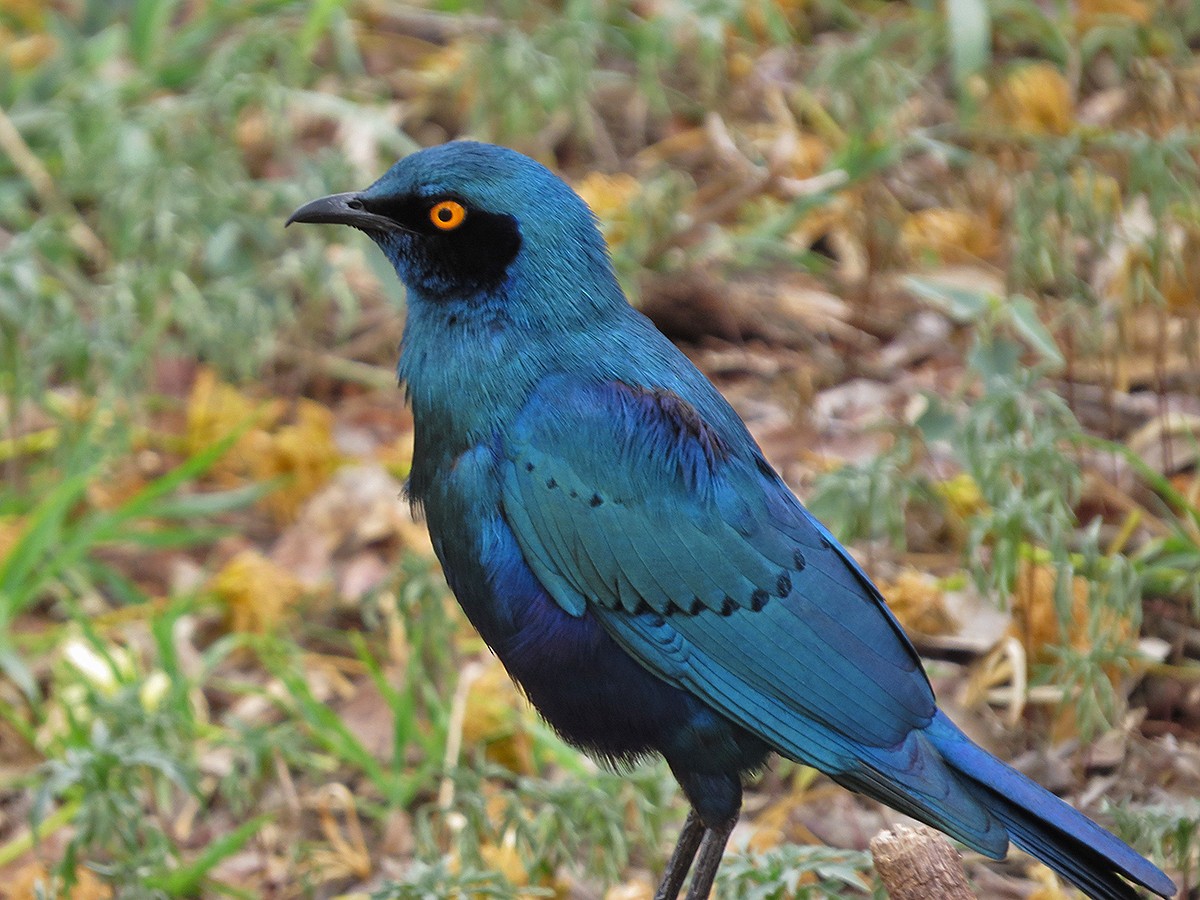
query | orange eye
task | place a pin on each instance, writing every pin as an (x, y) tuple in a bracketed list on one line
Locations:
[(447, 215)]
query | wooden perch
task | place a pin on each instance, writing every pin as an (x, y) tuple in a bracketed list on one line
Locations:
[(918, 863)]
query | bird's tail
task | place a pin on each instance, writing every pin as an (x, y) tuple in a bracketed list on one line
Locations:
[(1046, 827)]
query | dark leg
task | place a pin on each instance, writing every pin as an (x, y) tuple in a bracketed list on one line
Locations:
[(711, 851), (681, 858)]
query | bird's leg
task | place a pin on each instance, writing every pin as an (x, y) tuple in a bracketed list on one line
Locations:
[(711, 851), (681, 858)]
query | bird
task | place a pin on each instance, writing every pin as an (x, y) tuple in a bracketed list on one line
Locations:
[(617, 537)]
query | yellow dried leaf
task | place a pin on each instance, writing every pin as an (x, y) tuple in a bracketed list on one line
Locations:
[(258, 593), (918, 601), (808, 156), (607, 195), (33, 881), (11, 529), (448, 63), (1181, 274), (1035, 621), (739, 65), (1090, 13), (496, 717), (639, 888), (770, 828), (962, 496), (506, 859), (949, 235), (793, 8), (215, 410), (26, 14), (26, 52), (610, 197), (1036, 624), (1035, 99), (1049, 887), (1101, 190), (304, 454)]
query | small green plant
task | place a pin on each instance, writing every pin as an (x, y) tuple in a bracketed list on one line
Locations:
[(593, 821), (1103, 643), (1018, 442), (798, 872), (417, 700), (430, 880), (59, 550), (123, 756), (1171, 832), (872, 500)]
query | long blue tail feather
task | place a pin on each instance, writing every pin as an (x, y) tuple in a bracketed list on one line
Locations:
[(1046, 827)]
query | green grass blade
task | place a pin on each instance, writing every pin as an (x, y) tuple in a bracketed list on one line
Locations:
[(187, 880)]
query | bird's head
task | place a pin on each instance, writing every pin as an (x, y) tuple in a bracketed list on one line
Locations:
[(465, 219)]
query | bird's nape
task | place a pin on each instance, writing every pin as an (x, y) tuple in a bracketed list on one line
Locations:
[(608, 524)]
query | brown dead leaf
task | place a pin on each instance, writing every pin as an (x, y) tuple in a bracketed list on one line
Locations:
[(258, 593), (345, 853), (359, 508), (918, 601), (1168, 443), (506, 859), (1148, 251), (11, 529), (949, 235), (368, 716), (1035, 99)]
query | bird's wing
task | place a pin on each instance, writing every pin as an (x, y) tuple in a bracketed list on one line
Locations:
[(703, 565)]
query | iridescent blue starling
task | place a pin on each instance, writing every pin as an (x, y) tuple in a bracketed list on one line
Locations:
[(616, 535)]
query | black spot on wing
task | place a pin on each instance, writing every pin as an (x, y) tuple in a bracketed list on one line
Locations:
[(596, 500), (759, 599), (783, 585), (799, 561)]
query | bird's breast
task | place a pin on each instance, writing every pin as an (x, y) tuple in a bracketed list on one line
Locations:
[(584, 684)]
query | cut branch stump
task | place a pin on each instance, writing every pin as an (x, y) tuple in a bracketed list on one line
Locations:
[(918, 863)]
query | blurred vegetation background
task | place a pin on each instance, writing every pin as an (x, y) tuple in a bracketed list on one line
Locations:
[(943, 257)]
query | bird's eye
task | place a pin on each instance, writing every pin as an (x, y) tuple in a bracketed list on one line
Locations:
[(447, 215)]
